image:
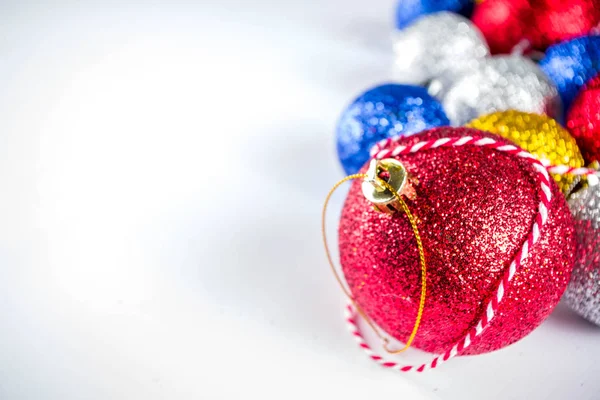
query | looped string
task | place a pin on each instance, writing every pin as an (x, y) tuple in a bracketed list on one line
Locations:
[(415, 229)]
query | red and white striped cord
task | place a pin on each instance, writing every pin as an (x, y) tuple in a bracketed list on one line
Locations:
[(376, 151), (382, 151)]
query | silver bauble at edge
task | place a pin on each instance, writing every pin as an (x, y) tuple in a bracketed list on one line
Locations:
[(583, 292)]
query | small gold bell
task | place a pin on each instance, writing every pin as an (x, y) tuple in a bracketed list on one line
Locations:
[(396, 177)]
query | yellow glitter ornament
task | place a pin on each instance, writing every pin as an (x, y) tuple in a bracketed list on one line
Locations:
[(538, 134)]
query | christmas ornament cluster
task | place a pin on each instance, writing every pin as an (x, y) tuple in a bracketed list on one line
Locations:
[(480, 88)]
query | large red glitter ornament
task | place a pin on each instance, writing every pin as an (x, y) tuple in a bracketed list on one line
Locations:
[(583, 120), (474, 209), (542, 22)]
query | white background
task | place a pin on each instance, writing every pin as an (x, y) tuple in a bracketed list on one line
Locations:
[(162, 170)]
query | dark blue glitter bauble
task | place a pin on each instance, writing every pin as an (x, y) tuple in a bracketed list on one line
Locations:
[(384, 112), (409, 10), (571, 64)]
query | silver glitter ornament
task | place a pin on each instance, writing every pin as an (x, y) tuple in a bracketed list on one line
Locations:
[(435, 44), (496, 84), (583, 292)]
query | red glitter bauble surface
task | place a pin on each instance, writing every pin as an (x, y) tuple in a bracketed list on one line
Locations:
[(475, 208), (559, 20), (502, 22), (583, 120), (542, 22)]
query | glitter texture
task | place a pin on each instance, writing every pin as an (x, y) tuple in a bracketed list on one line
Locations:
[(502, 22), (408, 11), (542, 22), (541, 136), (496, 84), (583, 292), (583, 120), (434, 44), (474, 209), (570, 65), (384, 112)]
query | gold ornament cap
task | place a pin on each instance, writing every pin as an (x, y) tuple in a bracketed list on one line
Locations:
[(383, 178)]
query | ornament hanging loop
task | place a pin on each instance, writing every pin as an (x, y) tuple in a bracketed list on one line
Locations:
[(384, 184)]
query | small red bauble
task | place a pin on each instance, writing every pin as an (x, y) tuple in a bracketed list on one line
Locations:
[(542, 22), (559, 20), (474, 209), (583, 120), (502, 22)]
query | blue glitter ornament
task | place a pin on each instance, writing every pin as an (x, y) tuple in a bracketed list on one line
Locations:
[(385, 111), (409, 10), (571, 64)]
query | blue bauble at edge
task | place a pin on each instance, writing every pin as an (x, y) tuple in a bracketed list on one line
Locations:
[(386, 111), (571, 64), (408, 11)]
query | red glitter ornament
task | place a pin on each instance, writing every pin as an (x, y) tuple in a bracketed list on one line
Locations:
[(502, 22), (475, 208), (559, 20), (583, 120), (542, 22)]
